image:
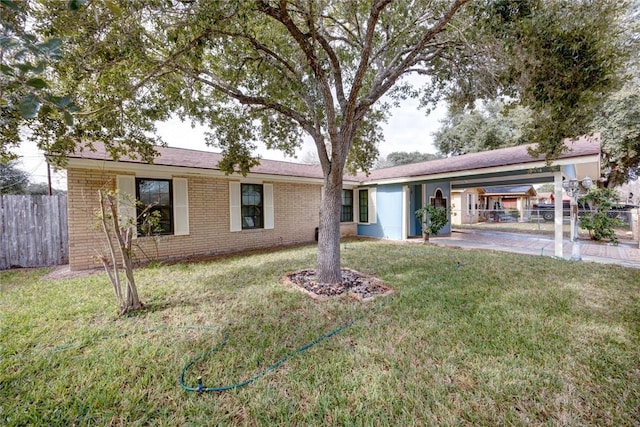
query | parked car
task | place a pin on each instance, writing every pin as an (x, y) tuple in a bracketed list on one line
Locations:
[(619, 210), (502, 216), (547, 210)]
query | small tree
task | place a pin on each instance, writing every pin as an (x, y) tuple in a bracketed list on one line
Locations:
[(598, 222), (119, 234), (433, 220)]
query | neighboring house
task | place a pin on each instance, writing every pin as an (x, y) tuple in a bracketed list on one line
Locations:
[(204, 212), (476, 204), (515, 200), (467, 205), (548, 197)]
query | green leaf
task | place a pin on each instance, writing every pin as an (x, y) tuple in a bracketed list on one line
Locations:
[(39, 69), (60, 101), (114, 8), (6, 70), (11, 5), (75, 4), (29, 106), (30, 38), (68, 118), (73, 108), (24, 67), (37, 83), (21, 53), (8, 42), (52, 47)]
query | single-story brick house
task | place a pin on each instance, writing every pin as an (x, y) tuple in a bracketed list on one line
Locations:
[(203, 211)]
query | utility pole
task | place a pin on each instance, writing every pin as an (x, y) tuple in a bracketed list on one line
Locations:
[(49, 178)]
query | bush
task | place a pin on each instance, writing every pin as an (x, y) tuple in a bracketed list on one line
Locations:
[(598, 222), (433, 219)]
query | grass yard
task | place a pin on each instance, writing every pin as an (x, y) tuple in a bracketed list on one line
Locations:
[(470, 338)]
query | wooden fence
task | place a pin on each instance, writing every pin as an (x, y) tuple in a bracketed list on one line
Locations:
[(33, 231)]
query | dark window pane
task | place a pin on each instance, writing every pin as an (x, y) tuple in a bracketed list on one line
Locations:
[(251, 208), (346, 214), (364, 205), (155, 210)]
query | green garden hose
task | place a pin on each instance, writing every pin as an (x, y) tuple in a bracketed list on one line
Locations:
[(201, 388)]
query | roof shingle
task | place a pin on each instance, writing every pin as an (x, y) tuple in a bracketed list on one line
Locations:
[(181, 157)]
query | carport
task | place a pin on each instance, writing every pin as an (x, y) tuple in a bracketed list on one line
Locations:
[(430, 181)]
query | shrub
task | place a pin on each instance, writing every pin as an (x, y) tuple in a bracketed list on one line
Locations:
[(433, 219), (598, 222)]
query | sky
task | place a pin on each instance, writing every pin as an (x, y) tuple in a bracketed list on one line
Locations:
[(408, 129)]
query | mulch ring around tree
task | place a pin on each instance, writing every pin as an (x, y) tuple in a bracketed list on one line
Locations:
[(355, 284)]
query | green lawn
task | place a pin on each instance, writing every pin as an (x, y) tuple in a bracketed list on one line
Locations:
[(469, 338)]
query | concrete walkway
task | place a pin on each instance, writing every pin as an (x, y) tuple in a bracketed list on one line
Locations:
[(624, 254)]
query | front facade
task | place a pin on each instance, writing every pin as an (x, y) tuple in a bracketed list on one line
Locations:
[(203, 211)]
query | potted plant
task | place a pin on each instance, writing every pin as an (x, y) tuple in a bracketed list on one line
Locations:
[(433, 220)]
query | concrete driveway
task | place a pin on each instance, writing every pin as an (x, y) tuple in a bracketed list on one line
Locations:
[(624, 254)]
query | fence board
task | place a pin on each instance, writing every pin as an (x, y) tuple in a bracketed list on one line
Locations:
[(33, 231)]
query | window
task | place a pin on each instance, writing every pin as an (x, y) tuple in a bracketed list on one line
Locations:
[(169, 197), (438, 201), (363, 205), (346, 214), (156, 197), (252, 206)]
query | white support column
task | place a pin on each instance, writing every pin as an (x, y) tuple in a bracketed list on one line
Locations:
[(406, 200), (557, 187)]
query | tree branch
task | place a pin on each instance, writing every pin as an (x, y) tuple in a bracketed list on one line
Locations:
[(236, 94), (281, 15), (335, 66), (388, 79)]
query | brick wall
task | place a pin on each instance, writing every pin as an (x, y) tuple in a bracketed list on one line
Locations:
[(296, 208)]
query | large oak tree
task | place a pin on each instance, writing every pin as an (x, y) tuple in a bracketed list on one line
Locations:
[(273, 70)]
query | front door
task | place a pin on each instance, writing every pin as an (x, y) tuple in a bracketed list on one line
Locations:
[(415, 204)]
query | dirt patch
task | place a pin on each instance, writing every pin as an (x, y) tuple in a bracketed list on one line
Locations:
[(355, 284)]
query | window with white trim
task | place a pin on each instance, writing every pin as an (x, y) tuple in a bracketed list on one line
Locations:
[(155, 207), (252, 206), (367, 206), (346, 212), (363, 205), (438, 200), (168, 197)]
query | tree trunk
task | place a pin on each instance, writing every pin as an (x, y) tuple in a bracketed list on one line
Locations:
[(328, 269), (111, 270), (133, 301), (124, 236)]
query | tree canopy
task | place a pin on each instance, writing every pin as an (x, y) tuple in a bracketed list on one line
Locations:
[(13, 180), (271, 70), (26, 92), (487, 127), (398, 158), (617, 121), (619, 125)]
